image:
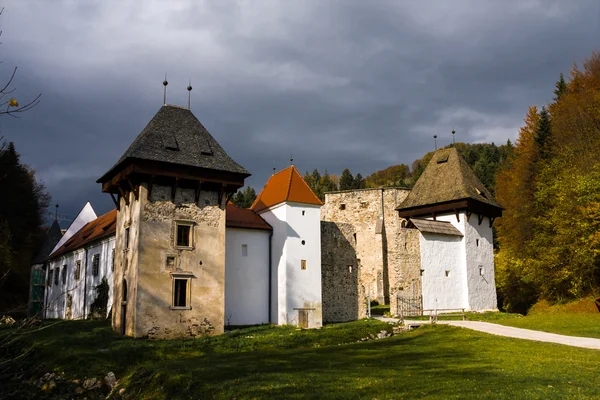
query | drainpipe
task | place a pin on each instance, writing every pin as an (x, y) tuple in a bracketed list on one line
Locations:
[(270, 271), (85, 282), (46, 288)]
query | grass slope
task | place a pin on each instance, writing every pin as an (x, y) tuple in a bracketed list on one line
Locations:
[(438, 362)]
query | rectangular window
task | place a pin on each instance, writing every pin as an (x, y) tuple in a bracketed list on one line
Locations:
[(350, 268), (56, 272), (244, 250), (49, 282), (96, 264), (302, 264), (181, 293), (77, 270), (422, 272), (447, 272), (183, 235), (481, 271), (64, 274), (342, 207)]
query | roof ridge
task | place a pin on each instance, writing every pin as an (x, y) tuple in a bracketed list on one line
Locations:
[(289, 189), (306, 184)]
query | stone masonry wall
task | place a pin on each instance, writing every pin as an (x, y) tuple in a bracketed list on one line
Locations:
[(372, 213), (342, 296), (159, 261)]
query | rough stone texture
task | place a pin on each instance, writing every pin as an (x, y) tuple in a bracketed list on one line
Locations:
[(372, 213), (148, 264), (404, 260), (343, 297)]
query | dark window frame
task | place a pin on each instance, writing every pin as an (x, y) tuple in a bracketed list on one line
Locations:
[(96, 264)]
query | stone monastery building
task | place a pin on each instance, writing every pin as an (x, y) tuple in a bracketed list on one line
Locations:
[(180, 260)]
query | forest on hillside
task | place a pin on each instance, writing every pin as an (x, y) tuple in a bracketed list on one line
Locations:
[(549, 234)]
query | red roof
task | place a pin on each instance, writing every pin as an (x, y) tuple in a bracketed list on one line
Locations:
[(99, 228), (244, 218), (286, 185)]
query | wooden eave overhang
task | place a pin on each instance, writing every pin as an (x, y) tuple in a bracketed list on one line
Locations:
[(134, 169), (454, 206)]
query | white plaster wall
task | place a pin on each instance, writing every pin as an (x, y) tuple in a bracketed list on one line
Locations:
[(438, 254), (246, 277), (480, 253), (276, 217), (86, 215), (303, 286), (57, 295)]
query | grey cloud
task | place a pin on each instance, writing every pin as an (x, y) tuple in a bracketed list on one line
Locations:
[(340, 84)]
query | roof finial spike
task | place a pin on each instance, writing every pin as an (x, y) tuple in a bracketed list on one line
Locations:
[(189, 88), (453, 132), (56, 213), (291, 158), (435, 141), (165, 83)]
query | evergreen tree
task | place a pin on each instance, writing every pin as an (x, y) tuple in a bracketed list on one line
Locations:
[(543, 134), (22, 205), (244, 198), (561, 87), (327, 185), (346, 180), (359, 182)]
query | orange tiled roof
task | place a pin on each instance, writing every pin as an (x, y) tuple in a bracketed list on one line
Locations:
[(244, 218), (286, 185), (102, 226)]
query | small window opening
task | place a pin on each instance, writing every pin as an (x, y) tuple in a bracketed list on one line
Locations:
[(244, 250), (350, 268), (447, 272), (422, 272), (56, 272), (170, 263), (363, 204), (342, 206), (477, 242), (303, 212), (126, 244), (481, 271), (354, 234), (77, 270), (303, 242), (183, 235), (49, 282), (64, 274), (181, 292), (302, 264), (96, 264)]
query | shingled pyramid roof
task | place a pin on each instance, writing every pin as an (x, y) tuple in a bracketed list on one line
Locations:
[(448, 179), (286, 185), (176, 136), (52, 237)]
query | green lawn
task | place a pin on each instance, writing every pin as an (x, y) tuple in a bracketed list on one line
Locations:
[(282, 362)]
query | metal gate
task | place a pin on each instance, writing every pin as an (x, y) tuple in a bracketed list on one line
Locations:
[(409, 306)]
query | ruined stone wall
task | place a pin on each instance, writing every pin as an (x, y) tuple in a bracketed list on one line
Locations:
[(377, 225), (404, 255), (155, 261), (343, 297)]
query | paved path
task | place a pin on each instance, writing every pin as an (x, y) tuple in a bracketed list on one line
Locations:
[(509, 331)]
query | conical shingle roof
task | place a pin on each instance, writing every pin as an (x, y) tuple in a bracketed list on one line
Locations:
[(448, 179), (286, 185), (176, 136)]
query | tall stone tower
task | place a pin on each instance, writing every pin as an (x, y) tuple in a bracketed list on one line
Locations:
[(454, 213), (288, 204), (170, 188)]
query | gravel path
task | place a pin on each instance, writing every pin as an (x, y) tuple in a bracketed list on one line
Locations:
[(528, 334)]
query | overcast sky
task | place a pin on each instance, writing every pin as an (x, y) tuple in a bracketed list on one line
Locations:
[(356, 84)]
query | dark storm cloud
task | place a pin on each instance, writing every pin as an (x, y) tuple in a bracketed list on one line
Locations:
[(339, 84)]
